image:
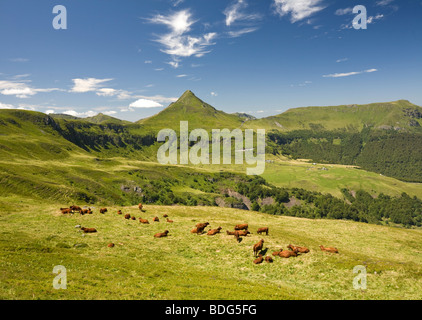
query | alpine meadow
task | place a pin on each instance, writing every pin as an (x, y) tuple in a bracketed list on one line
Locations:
[(227, 150)]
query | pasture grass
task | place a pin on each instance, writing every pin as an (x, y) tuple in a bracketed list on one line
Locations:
[(35, 237)]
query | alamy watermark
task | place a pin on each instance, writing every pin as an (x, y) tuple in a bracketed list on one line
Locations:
[(60, 281), (359, 282), (174, 152)]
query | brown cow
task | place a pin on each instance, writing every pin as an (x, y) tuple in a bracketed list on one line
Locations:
[(214, 231), (231, 233), (66, 210), (165, 215), (259, 259), (88, 230), (144, 221), (241, 227), (242, 233), (103, 210), (168, 220), (298, 249), (202, 225), (262, 230), (75, 208), (332, 250), (287, 253), (160, 235), (268, 259), (110, 245), (140, 206), (127, 216), (258, 247), (133, 217), (156, 219), (119, 212)]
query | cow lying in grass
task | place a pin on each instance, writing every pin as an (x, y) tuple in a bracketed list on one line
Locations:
[(162, 234)]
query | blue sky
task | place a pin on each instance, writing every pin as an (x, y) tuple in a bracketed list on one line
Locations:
[(131, 59)]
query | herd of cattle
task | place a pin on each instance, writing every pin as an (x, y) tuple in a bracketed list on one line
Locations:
[(240, 230)]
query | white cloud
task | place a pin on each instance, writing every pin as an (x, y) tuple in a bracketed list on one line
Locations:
[(87, 84), (145, 103), (233, 13), (177, 43), (21, 89), (342, 12), (148, 61), (106, 92), (74, 113), (299, 9), (342, 60), (241, 32), (49, 111), (109, 113), (181, 75), (384, 2), (339, 75), (6, 106), (372, 19), (214, 94)]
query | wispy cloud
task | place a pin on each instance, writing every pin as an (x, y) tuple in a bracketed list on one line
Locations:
[(298, 9), (21, 88), (342, 12), (178, 43), (342, 60), (384, 2), (234, 13), (87, 84), (348, 74), (241, 32)]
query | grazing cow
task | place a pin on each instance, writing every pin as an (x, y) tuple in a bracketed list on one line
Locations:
[(168, 220), (262, 230), (332, 250), (110, 245), (258, 247), (197, 231), (119, 212), (88, 230), (202, 225), (127, 216), (84, 211), (89, 211), (160, 235), (268, 259), (242, 233), (214, 231), (165, 215), (133, 217), (144, 221), (103, 210), (155, 219), (140, 206), (241, 227), (259, 259), (66, 210), (287, 253), (298, 249)]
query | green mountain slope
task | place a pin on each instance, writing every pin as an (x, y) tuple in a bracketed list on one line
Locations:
[(398, 115), (199, 114)]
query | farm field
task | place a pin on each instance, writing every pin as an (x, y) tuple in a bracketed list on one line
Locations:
[(35, 237)]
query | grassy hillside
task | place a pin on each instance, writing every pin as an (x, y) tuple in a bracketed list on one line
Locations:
[(35, 237), (400, 114), (199, 114)]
